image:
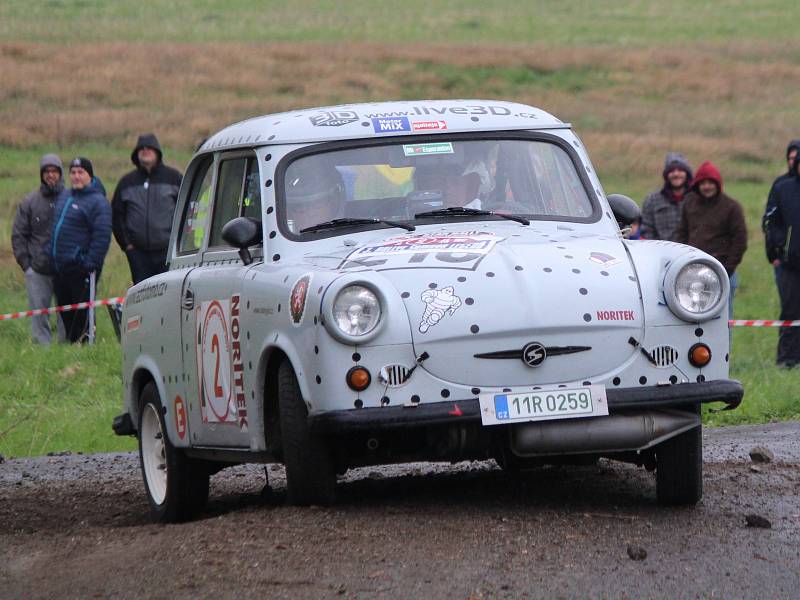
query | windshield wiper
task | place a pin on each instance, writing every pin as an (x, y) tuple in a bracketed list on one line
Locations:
[(460, 211), (335, 223)]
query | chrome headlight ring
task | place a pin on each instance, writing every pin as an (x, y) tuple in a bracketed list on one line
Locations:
[(696, 288), (353, 311)]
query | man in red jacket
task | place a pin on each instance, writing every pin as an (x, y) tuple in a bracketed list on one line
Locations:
[(714, 222)]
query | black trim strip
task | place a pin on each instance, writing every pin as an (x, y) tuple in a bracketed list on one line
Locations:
[(467, 411), (550, 350)]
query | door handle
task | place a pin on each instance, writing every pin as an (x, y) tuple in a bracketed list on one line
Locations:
[(188, 299)]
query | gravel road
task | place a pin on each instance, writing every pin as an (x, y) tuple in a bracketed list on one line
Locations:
[(78, 526)]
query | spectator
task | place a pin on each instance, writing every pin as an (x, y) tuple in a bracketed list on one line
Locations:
[(661, 211), (791, 152), (30, 240), (785, 248), (714, 222), (143, 206), (80, 239)]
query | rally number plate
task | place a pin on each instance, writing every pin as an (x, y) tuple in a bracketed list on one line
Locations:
[(543, 404)]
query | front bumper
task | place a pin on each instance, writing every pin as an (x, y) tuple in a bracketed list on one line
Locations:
[(467, 411)]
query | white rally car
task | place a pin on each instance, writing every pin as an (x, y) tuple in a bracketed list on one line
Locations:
[(432, 280)]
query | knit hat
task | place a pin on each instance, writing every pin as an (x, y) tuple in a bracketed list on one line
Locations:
[(83, 163), (146, 140), (708, 171), (50, 160), (793, 145), (677, 160)]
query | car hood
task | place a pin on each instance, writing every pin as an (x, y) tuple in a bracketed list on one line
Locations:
[(476, 298)]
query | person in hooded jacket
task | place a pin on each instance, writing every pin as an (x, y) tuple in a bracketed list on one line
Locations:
[(79, 242), (661, 211), (30, 241), (143, 206), (791, 152), (714, 222), (784, 248)]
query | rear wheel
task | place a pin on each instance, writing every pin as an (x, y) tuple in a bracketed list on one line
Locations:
[(679, 468), (176, 486), (310, 472)]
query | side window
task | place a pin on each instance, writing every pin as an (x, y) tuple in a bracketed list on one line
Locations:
[(227, 198), (195, 215), (251, 203)]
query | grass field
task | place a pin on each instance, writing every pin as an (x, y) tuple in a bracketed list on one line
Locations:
[(637, 79)]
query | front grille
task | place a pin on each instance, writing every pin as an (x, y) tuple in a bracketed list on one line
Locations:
[(664, 356), (393, 375)]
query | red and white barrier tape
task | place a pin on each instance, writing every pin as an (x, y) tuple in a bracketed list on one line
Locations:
[(59, 309), (120, 300), (745, 323)]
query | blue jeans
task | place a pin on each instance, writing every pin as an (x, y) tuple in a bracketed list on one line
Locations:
[(734, 284)]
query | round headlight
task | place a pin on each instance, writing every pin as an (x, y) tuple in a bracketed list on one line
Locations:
[(698, 288), (356, 310)]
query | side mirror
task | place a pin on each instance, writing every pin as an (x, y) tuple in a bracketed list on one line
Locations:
[(241, 233), (625, 210)]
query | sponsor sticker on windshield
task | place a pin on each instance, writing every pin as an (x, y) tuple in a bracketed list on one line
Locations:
[(428, 149), (428, 125), (391, 124)]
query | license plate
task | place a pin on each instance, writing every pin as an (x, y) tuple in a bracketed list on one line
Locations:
[(543, 404)]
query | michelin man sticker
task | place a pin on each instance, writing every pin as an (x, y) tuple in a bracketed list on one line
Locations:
[(439, 303)]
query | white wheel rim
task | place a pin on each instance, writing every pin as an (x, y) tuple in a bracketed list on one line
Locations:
[(154, 456)]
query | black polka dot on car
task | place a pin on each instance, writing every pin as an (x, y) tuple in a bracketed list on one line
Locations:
[(474, 329), (469, 301), (587, 317)]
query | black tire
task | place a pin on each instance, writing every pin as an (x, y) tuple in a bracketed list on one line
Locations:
[(176, 486), (679, 468), (310, 471)]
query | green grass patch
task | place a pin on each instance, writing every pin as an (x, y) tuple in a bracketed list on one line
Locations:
[(614, 22)]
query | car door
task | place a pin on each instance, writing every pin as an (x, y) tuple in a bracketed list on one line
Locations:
[(212, 309)]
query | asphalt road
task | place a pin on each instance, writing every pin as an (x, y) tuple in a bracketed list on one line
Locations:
[(78, 527)]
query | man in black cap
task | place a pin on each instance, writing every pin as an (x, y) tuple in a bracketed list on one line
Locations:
[(79, 242), (143, 206)]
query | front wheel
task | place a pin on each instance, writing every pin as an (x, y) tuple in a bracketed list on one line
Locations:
[(176, 486), (679, 468), (310, 471)]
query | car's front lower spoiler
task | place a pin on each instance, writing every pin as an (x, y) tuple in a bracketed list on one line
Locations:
[(466, 411)]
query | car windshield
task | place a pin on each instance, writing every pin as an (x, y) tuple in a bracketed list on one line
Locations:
[(414, 182)]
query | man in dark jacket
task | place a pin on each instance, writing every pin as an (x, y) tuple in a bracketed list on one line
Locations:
[(143, 206), (791, 152), (714, 222), (30, 240), (80, 239), (661, 211), (784, 247)]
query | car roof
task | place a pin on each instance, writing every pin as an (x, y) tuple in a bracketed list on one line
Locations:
[(381, 119)]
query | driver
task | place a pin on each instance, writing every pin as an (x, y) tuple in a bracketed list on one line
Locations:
[(460, 187), (314, 194)]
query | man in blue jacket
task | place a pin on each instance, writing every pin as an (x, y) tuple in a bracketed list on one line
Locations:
[(783, 248), (79, 242)]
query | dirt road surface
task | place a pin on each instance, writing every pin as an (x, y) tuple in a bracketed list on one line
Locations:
[(78, 527)]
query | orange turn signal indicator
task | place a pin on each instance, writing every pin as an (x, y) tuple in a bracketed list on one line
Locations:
[(358, 378), (699, 355)]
